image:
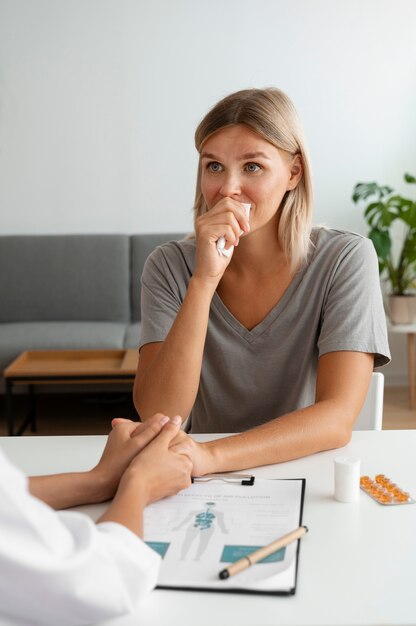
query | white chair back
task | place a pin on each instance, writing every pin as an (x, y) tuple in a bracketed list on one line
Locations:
[(371, 415)]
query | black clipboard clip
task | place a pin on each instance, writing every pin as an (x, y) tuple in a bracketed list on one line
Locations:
[(244, 479)]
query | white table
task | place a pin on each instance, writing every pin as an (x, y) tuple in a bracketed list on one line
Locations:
[(357, 564), (410, 331)]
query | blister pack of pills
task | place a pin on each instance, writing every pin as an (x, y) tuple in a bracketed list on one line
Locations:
[(384, 491)]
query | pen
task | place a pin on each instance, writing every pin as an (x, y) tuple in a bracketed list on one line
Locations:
[(261, 553)]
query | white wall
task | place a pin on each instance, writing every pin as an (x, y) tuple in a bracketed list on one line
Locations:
[(99, 100)]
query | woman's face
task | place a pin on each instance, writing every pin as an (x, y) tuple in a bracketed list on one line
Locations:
[(237, 163)]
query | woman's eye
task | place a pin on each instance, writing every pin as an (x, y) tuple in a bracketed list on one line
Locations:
[(253, 167), (214, 166)]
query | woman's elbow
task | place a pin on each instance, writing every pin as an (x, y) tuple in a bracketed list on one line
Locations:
[(341, 435), (343, 438)]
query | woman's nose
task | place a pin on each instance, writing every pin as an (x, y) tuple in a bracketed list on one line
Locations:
[(231, 185)]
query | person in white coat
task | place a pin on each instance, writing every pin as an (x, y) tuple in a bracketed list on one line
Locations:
[(60, 567)]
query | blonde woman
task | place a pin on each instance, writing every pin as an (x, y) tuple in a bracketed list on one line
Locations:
[(275, 341)]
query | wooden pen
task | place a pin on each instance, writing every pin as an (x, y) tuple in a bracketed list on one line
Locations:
[(262, 553)]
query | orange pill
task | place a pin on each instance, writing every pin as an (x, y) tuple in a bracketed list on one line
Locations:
[(403, 497), (383, 490), (386, 498)]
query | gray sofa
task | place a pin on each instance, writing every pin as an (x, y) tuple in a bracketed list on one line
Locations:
[(71, 291)]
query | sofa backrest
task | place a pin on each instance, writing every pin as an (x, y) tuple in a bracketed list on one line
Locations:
[(141, 247), (64, 278)]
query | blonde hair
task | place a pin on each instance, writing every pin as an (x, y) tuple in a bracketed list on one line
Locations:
[(272, 115)]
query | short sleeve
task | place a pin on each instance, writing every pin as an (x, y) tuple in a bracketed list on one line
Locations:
[(165, 278), (353, 317)]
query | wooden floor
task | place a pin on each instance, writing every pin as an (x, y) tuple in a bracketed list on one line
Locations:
[(91, 414)]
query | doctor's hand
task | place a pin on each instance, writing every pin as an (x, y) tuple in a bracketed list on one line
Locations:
[(120, 450), (159, 470), (156, 472)]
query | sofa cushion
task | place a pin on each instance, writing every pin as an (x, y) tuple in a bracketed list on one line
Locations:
[(132, 336), (64, 278), (17, 337), (141, 247)]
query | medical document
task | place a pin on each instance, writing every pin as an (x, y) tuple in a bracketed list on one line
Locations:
[(212, 524)]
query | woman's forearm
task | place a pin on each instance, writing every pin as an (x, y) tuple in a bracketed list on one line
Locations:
[(169, 384), (341, 387), (322, 426)]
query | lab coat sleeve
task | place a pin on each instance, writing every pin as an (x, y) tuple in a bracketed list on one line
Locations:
[(61, 568)]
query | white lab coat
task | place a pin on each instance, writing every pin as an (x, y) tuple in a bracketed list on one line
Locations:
[(61, 568)]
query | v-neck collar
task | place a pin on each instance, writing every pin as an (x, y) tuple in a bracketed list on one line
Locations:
[(266, 322), (251, 335)]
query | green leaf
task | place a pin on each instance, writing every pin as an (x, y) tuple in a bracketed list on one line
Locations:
[(380, 215), (373, 212), (382, 243), (409, 178), (402, 207), (362, 191), (408, 215), (399, 202), (409, 249), (385, 190)]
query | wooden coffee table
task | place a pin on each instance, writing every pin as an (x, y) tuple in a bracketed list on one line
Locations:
[(49, 367)]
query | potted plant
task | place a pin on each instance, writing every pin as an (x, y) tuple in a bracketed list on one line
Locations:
[(392, 222)]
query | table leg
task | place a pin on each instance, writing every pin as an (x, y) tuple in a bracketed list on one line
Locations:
[(411, 355), (32, 413), (9, 407), (30, 419)]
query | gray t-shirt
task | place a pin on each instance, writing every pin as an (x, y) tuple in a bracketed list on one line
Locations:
[(249, 377)]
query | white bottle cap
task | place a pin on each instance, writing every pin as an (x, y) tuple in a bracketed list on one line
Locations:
[(346, 479)]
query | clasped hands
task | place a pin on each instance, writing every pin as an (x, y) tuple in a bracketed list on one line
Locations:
[(181, 443), (156, 452)]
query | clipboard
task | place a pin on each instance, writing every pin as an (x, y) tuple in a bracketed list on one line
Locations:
[(219, 519), (242, 479)]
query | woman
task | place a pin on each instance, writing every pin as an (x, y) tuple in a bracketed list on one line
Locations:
[(278, 340), (59, 568)]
